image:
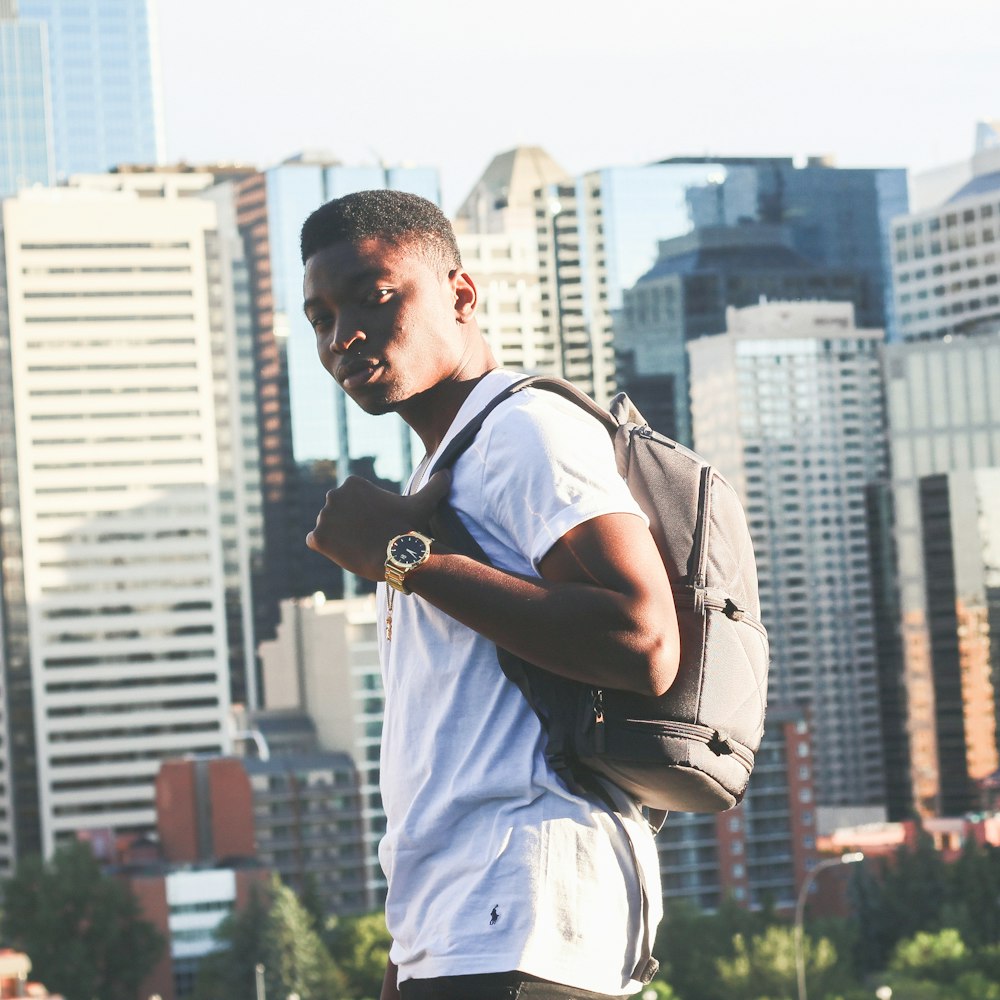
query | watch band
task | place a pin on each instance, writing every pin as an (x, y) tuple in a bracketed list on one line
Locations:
[(396, 569)]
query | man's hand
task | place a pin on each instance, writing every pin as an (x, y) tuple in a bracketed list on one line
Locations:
[(358, 520)]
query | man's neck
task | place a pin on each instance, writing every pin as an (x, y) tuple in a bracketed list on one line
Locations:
[(431, 413)]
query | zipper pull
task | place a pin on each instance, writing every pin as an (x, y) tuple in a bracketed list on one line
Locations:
[(599, 741)]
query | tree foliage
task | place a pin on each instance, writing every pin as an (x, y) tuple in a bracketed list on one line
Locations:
[(83, 930), (360, 949), (274, 930), (918, 891), (230, 970), (689, 943), (942, 966), (764, 966)]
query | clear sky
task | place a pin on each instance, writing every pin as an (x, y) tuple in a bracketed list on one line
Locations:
[(449, 84)]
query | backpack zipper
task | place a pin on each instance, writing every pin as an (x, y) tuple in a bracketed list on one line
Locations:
[(687, 599), (721, 744), (599, 738), (700, 546)]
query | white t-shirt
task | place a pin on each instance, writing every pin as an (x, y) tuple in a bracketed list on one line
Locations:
[(492, 864)]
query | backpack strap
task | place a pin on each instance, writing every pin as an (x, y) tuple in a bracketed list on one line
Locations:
[(539, 687), (461, 441)]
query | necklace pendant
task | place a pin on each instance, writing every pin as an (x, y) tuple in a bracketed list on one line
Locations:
[(388, 627)]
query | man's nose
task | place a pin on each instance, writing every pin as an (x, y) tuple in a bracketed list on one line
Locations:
[(344, 334)]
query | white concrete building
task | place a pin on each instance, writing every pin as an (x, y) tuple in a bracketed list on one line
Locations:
[(324, 661), (504, 267), (946, 256), (131, 454), (198, 900), (495, 229), (787, 404)]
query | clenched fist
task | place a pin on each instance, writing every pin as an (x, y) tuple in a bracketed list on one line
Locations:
[(358, 520)]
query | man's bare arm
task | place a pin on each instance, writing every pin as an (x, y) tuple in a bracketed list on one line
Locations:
[(390, 989), (602, 612)]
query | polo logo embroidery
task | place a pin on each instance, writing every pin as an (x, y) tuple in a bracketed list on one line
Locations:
[(494, 914)]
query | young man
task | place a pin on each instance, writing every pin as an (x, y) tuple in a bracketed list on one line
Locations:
[(501, 882)]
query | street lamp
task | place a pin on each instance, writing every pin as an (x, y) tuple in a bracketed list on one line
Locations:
[(800, 909)]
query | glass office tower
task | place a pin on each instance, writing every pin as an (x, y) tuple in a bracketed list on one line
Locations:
[(26, 147), (106, 102), (295, 189), (311, 437)]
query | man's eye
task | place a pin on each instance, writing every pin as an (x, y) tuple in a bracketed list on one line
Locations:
[(320, 323), (377, 296)]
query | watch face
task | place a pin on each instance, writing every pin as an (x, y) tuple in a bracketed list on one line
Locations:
[(408, 549)]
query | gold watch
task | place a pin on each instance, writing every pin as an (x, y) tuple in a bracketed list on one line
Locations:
[(404, 554)]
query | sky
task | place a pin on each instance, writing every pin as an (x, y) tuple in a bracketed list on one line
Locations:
[(447, 84)]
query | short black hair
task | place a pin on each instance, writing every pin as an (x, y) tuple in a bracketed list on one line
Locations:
[(396, 217)]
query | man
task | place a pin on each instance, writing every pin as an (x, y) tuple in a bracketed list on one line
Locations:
[(501, 882)]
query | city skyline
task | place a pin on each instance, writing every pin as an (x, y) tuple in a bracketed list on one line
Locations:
[(443, 88)]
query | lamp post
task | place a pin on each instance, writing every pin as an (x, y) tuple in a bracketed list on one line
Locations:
[(800, 909)]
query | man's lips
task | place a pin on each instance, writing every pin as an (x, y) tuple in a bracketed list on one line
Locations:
[(357, 372)]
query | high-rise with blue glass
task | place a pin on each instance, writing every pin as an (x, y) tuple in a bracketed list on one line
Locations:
[(104, 75), (309, 437), (596, 235), (26, 146)]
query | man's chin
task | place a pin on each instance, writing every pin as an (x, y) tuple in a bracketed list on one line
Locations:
[(374, 405)]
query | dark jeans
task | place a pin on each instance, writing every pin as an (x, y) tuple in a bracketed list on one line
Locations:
[(493, 986)]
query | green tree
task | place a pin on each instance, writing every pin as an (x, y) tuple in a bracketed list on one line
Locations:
[(662, 991), (230, 970), (82, 929), (972, 905), (765, 966), (941, 966), (360, 949), (295, 958), (689, 942), (276, 931), (903, 897), (312, 899), (940, 956)]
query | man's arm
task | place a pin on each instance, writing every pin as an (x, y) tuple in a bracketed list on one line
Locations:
[(602, 612), (390, 989)]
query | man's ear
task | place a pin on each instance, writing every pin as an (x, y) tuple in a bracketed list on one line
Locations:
[(466, 295)]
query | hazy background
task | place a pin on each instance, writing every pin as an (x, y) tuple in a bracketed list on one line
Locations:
[(877, 83)]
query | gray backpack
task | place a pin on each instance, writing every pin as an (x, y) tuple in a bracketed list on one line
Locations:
[(692, 749)]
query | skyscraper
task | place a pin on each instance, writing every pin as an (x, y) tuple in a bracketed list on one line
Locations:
[(120, 470), (685, 295), (495, 229), (598, 235), (104, 72), (324, 661), (27, 152), (309, 435), (943, 407), (787, 403), (946, 258), (960, 532), (838, 217)]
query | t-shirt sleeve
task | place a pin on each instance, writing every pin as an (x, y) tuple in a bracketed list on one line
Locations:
[(548, 467)]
